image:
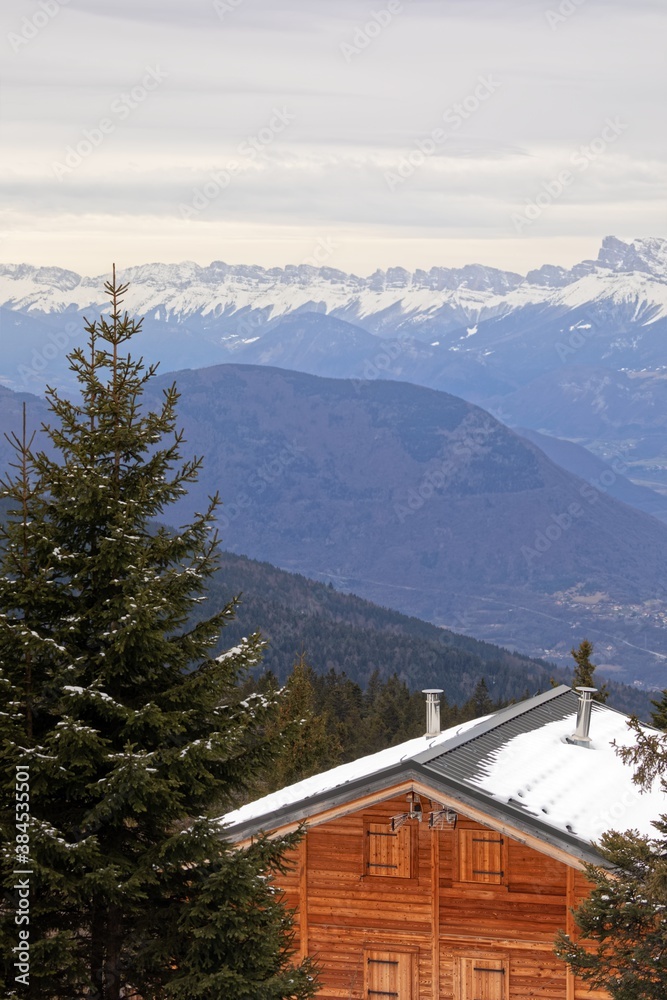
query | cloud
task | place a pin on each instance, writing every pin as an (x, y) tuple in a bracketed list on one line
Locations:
[(354, 119)]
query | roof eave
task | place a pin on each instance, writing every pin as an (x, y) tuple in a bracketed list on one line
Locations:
[(296, 813)]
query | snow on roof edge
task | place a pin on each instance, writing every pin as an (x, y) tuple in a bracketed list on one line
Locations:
[(583, 795), (341, 775)]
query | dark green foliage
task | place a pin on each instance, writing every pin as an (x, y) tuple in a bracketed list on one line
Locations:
[(132, 729), (659, 716), (481, 701), (308, 745), (357, 722), (233, 935), (625, 914), (584, 671)]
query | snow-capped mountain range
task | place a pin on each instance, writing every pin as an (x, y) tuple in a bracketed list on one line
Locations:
[(627, 274), (578, 353)]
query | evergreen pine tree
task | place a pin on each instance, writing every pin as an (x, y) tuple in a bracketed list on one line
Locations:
[(659, 716), (385, 703), (584, 670), (340, 700), (625, 915), (307, 746), (480, 703), (131, 729)]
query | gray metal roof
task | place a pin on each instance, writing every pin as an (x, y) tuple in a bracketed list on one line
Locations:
[(462, 757), (452, 768)]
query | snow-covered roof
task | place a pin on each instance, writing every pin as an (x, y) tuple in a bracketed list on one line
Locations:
[(345, 774), (581, 791), (515, 765)]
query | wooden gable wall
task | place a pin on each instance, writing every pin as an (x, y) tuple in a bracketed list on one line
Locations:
[(424, 933)]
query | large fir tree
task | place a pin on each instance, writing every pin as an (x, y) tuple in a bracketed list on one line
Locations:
[(624, 920), (133, 732)]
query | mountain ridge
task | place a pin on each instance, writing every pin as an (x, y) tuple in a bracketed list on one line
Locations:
[(344, 632), (645, 256), (381, 302), (356, 639), (437, 510), (477, 332)]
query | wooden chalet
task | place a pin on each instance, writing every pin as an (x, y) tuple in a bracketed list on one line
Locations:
[(444, 867)]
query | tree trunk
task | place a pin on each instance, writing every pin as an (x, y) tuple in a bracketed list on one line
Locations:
[(97, 935), (112, 982)]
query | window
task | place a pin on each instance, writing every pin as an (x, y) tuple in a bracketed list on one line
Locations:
[(389, 974), (483, 979), (481, 857), (388, 852)]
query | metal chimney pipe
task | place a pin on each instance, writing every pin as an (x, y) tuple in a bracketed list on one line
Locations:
[(581, 735), (432, 711)]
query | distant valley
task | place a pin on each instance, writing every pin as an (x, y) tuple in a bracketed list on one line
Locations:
[(408, 496), (344, 633), (423, 502), (359, 640)]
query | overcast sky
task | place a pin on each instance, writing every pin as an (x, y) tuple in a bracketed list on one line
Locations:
[(255, 131)]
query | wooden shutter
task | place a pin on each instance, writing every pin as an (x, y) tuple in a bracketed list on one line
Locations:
[(481, 857), (389, 975), (483, 979), (388, 852)]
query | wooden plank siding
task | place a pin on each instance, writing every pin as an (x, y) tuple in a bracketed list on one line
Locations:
[(447, 926)]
